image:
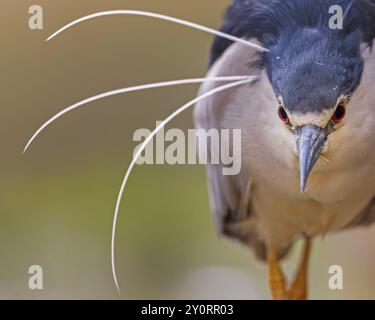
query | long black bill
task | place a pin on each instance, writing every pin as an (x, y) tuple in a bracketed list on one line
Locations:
[(310, 143)]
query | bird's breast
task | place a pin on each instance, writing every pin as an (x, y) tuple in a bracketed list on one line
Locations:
[(333, 198)]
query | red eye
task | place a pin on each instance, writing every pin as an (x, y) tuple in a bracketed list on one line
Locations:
[(283, 115), (339, 114)]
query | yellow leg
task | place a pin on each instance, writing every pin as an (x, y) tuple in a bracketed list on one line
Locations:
[(276, 277), (298, 289)]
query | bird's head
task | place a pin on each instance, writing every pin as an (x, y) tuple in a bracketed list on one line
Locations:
[(314, 73)]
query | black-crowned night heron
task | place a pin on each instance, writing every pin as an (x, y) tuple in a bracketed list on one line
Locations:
[(308, 127)]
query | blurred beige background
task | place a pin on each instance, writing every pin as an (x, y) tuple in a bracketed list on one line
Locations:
[(57, 200)]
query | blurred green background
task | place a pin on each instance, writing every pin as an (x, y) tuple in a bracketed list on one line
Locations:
[(57, 200)]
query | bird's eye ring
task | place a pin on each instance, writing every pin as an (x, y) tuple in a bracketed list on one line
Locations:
[(339, 114), (283, 115)]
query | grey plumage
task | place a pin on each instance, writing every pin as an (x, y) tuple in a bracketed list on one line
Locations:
[(263, 205)]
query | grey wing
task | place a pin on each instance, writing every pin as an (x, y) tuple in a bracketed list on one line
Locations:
[(230, 196)]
